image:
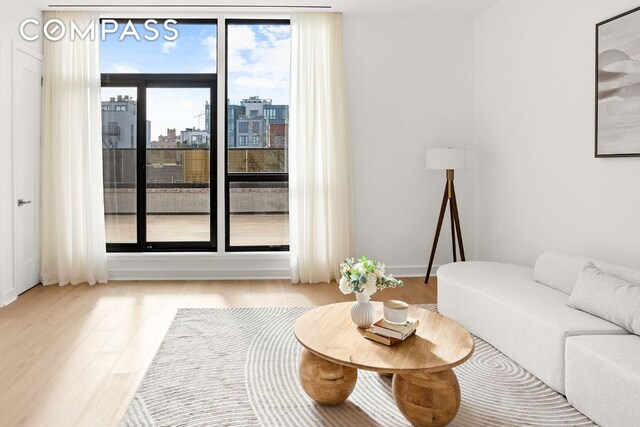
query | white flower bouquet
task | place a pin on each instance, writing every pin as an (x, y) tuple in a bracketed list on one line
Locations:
[(365, 276)]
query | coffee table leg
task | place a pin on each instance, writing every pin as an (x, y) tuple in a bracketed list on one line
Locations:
[(326, 382), (427, 399)]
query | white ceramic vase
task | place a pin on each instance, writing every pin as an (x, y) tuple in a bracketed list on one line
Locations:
[(363, 313)]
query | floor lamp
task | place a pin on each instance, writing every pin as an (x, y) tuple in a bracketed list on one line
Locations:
[(449, 159)]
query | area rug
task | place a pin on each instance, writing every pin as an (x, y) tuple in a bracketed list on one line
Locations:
[(238, 367)]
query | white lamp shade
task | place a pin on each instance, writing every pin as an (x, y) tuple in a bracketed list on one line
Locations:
[(450, 158)]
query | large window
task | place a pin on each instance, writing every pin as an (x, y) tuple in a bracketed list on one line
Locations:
[(159, 133), (257, 191), (159, 136)]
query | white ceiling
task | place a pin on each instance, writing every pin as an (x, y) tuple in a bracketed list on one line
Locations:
[(462, 7)]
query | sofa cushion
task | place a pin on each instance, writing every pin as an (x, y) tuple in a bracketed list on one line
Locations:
[(628, 274), (607, 297), (558, 271), (603, 378), (505, 306)]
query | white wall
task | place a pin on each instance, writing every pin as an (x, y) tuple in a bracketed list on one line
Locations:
[(10, 19), (539, 186), (410, 79), (519, 83), (410, 87)]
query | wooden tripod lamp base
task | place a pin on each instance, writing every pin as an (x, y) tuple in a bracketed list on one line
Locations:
[(449, 159)]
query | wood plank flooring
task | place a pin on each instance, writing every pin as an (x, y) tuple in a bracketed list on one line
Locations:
[(73, 356)]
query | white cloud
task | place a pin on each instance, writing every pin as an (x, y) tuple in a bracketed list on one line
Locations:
[(261, 82), (237, 64), (273, 59), (259, 65), (267, 67), (168, 46), (284, 31), (124, 68), (241, 37), (275, 32), (212, 44)]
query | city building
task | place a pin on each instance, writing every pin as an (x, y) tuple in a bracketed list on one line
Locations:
[(276, 114), (233, 112), (207, 117), (119, 123), (168, 141), (253, 119), (192, 137), (279, 135)]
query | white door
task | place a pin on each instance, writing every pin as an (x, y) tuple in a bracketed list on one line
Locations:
[(27, 72)]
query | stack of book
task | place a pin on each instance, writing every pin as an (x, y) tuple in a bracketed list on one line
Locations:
[(391, 334)]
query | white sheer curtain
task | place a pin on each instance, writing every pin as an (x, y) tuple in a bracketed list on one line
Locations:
[(320, 178), (73, 233)]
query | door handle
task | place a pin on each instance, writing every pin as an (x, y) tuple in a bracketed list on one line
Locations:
[(23, 202)]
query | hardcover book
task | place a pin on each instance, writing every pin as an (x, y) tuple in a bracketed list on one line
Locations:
[(395, 331), (369, 334)]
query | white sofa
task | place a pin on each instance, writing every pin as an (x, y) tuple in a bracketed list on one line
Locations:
[(595, 363)]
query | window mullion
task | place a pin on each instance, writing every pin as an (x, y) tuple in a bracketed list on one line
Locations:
[(141, 158), (221, 149)]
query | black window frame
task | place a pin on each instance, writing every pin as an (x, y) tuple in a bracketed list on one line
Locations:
[(245, 177), (142, 82)]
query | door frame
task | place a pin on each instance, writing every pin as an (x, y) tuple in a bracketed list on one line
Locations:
[(142, 82), (20, 47)]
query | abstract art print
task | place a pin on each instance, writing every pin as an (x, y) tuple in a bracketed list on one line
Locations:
[(618, 86)]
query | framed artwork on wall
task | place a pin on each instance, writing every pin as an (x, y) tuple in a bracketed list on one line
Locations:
[(618, 86)]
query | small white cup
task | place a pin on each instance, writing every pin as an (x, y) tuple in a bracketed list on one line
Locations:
[(396, 312)]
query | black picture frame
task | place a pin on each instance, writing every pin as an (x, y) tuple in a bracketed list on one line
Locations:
[(602, 77)]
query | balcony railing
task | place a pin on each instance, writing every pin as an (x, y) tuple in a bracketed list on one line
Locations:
[(187, 166), (178, 194), (259, 213)]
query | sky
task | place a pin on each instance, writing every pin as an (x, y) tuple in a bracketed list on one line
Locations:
[(258, 65)]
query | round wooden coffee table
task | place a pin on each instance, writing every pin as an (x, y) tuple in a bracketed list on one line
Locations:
[(425, 387)]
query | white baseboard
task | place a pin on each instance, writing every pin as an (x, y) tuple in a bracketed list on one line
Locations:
[(411, 270), (214, 266), (200, 266), (8, 298)]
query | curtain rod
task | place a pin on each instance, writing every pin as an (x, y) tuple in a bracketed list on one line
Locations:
[(193, 5)]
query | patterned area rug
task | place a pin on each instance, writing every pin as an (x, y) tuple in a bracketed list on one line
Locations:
[(238, 367)]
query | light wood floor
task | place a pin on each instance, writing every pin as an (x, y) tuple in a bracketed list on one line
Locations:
[(73, 356)]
